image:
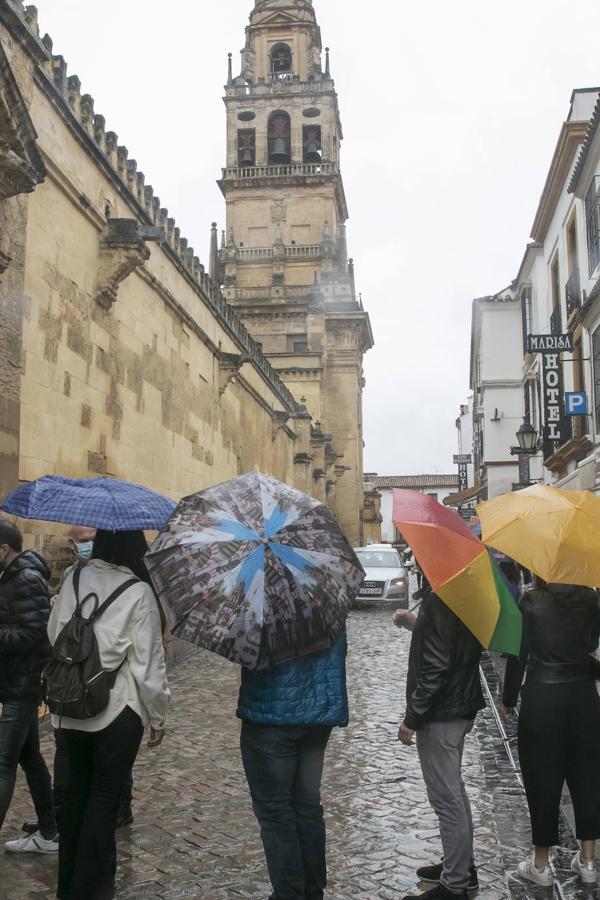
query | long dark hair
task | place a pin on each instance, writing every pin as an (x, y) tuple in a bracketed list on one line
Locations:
[(127, 548), (123, 548)]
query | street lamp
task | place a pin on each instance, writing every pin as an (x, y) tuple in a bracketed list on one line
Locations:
[(528, 440)]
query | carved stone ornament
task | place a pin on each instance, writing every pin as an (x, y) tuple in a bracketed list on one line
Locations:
[(279, 211), (21, 164), (230, 365), (122, 251), (280, 420)]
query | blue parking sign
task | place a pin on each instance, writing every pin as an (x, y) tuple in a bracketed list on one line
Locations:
[(576, 403)]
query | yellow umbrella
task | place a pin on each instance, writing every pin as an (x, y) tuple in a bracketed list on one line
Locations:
[(553, 533)]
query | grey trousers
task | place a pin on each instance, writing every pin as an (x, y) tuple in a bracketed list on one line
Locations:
[(440, 746)]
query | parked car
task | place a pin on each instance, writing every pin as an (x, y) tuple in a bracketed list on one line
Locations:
[(386, 581)]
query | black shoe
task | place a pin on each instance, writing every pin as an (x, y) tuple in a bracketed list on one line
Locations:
[(434, 873), (439, 892), (125, 818)]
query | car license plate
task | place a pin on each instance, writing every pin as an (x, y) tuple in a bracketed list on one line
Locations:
[(371, 591)]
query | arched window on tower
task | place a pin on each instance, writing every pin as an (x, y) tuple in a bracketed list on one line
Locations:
[(281, 59), (246, 147), (311, 141), (280, 138)]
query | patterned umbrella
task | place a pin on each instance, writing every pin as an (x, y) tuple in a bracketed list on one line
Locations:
[(255, 571), (107, 503)]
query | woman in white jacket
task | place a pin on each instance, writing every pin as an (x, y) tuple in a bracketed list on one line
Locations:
[(103, 749)]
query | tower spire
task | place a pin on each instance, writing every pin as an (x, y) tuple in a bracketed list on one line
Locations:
[(213, 262)]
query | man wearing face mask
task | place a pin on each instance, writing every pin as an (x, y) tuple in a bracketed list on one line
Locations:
[(24, 651)]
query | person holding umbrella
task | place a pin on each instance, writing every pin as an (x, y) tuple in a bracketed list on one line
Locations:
[(559, 721), (102, 749), (288, 712), (555, 534), (260, 573)]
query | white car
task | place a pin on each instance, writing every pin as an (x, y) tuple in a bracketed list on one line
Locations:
[(386, 579)]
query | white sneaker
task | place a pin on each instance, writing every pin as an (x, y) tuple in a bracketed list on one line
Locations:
[(586, 870), (527, 869), (33, 843)]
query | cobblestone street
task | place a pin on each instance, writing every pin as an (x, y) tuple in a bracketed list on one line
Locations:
[(195, 835)]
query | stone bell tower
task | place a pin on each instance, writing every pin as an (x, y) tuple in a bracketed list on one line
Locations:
[(283, 260)]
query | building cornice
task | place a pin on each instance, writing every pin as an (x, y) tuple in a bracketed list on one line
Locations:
[(571, 136)]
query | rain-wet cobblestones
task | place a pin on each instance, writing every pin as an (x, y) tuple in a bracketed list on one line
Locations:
[(195, 835)]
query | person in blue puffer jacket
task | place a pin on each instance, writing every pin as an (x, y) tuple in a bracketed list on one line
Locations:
[(287, 713)]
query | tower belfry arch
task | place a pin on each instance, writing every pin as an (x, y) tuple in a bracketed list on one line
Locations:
[(284, 263)]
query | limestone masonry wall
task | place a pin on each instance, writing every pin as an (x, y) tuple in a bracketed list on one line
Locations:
[(119, 355)]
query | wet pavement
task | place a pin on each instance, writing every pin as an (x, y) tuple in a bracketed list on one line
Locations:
[(195, 836)]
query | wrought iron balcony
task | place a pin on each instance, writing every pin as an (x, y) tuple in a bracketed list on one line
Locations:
[(592, 224), (573, 292), (556, 321)]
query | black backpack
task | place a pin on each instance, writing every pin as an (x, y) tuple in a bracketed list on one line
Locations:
[(74, 683)]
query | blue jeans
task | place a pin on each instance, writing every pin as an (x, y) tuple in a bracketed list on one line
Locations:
[(283, 767), (20, 745)]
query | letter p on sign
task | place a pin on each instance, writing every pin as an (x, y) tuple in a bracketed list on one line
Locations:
[(576, 403)]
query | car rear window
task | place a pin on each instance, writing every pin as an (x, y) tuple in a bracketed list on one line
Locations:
[(388, 559)]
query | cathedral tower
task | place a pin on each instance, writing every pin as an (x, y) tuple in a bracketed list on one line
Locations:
[(283, 261)]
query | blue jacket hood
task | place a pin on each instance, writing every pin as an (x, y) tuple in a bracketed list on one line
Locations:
[(310, 690)]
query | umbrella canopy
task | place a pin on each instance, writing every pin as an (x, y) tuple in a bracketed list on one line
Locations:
[(460, 570), (254, 571), (107, 503), (553, 533)]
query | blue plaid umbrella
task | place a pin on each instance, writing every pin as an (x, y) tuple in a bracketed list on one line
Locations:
[(255, 571), (106, 503)]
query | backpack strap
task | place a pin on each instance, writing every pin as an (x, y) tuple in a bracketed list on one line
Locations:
[(114, 596), (79, 605)]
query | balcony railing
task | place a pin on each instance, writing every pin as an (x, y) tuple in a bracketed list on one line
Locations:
[(264, 293), (283, 171), (292, 251), (556, 321), (573, 292), (592, 223)]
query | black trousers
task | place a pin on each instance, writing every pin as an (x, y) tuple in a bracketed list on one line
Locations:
[(283, 767), (61, 779), (559, 740), (100, 764), (20, 745)]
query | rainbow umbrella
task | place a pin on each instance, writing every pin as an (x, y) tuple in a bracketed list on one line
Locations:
[(460, 570)]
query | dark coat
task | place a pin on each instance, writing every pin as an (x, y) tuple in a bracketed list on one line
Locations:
[(24, 614), (443, 680), (310, 690), (561, 629)]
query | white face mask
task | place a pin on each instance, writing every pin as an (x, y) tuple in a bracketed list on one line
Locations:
[(83, 550)]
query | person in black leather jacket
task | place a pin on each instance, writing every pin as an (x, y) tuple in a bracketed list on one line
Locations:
[(559, 720), (443, 696), (24, 650)]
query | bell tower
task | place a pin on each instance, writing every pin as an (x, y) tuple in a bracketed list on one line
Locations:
[(283, 261)]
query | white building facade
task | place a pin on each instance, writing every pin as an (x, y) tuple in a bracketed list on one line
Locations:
[(496, 381), (557, 287)]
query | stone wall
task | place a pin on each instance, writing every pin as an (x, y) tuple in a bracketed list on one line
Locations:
[(119, 355)]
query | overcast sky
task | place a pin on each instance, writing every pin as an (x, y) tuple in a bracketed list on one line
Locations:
[(451, 112)]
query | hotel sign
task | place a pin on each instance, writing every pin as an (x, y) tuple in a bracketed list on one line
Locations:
[(549, 343), (553, 394)]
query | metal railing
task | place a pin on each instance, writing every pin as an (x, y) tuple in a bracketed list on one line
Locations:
[(573, 292), (592, 223), (556, 321)]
